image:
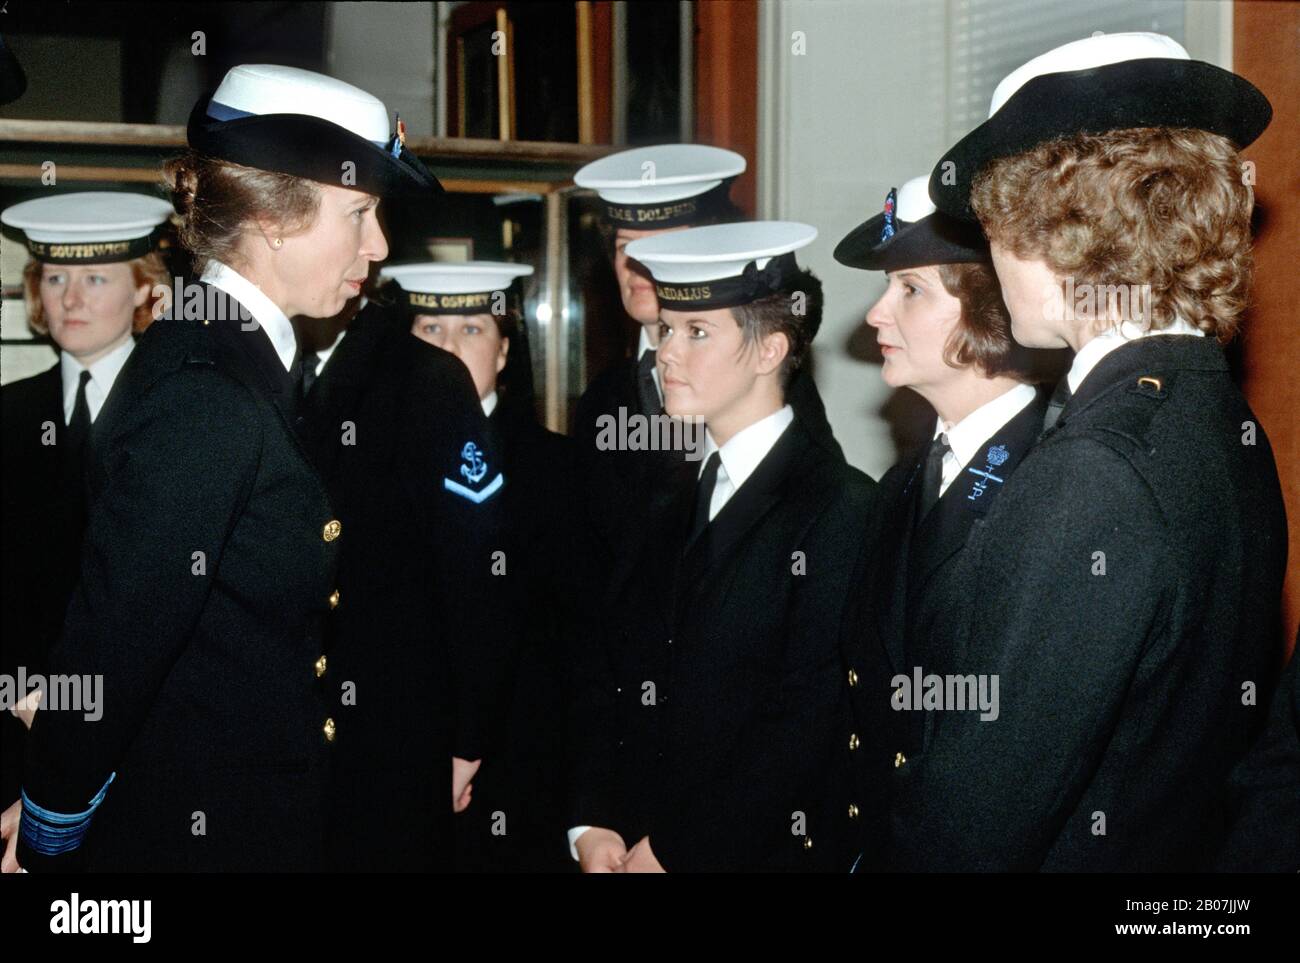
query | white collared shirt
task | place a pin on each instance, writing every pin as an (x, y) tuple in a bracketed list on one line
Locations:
[(965, 437), (1116, 337), (102, 375), (489, 403), (265, 311), (642, 346), (742, 454)]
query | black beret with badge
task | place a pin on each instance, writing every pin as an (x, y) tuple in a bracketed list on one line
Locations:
[(1101, 83), (910, 233), (299, 122)]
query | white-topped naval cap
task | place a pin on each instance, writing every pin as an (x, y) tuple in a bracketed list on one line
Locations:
[(87, 217), (452, 277), (257, 89), (652, 175), (914, 200), (1086, 54), (718, 251)]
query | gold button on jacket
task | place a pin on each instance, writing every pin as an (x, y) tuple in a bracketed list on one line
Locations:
[(329, 730), (853, 741), (899, 759), (334, 599), (332, 530), (320, 666)]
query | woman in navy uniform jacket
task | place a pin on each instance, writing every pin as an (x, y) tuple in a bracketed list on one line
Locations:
[(690, 188), (1125, 584), (211, 546), (943, 332), (712, 721), (93, 281), (516, 821), (419, 660)]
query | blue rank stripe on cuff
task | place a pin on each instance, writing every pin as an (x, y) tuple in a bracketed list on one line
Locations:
[(50, 833), (477, 497)]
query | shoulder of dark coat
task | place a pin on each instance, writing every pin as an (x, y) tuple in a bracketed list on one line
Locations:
[(609, 386), (182, 358), (821, 476), (32, 389)]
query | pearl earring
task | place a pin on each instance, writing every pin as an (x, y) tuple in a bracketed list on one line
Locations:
[(278, 241)]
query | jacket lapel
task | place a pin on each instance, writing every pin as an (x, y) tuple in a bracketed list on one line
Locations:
[(972, 493), (746, 507), (260, 367)]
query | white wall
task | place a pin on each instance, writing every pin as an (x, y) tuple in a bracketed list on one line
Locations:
[(386, 49), (838, 126)]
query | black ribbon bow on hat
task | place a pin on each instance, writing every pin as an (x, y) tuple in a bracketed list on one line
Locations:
[(756, 283)]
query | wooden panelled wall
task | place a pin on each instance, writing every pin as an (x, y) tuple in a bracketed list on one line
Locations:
[(1266, 51)]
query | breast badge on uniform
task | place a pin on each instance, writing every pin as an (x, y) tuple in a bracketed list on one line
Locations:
[(474, 470), (994, 457)]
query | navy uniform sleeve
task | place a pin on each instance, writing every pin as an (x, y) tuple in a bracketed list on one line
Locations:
[(177, 471), (1265, 791), (459, 478)]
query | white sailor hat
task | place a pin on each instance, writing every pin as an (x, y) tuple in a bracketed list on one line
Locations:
[(670, 185), (1105, 82), (303, 123), (89, 227), (464, 287), (722, 265), (910, 233)]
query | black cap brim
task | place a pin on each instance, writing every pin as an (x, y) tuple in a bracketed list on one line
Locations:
[(1152, 92), (931, 240), (309, 147)]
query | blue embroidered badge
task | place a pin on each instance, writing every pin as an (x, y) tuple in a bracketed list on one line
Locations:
[(891, 201), (473, 471)]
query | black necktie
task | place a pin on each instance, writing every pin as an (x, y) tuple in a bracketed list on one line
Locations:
[(932, 474), (310, 366), (79, 425), (703, 496), (1055, 404), (295, 372), (645, 385)]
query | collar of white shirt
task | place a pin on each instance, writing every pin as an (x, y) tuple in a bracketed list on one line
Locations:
[(489, 404), (263, 309), (324, 353), (642, 346), (744, 450), (977, 427), (102, 375), (1116, 337)]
